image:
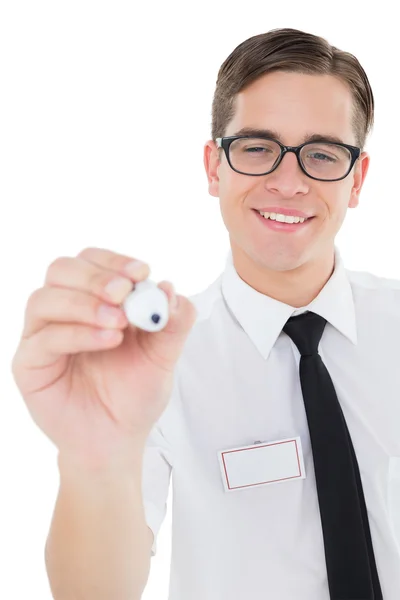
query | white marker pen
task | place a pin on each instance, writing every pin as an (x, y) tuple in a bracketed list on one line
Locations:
[(147, 306)]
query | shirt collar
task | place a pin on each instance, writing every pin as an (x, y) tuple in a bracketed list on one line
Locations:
[(263, 318)]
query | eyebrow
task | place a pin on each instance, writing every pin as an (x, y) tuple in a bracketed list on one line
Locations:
[(309, 137)]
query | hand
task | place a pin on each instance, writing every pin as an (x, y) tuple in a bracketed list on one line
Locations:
[(96, 398)]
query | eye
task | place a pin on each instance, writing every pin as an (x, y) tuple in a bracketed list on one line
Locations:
[(253, 149), (321, 156)]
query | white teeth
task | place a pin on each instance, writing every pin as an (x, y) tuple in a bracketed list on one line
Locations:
[(282, 218)]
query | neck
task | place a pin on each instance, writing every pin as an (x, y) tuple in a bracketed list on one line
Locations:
[(296, 287)]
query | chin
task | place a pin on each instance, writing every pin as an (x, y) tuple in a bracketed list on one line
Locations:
[(282, 264)]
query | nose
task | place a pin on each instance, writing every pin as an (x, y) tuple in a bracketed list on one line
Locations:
[(288, 179)]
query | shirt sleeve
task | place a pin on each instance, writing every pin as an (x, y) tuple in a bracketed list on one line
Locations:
[(156, 473)]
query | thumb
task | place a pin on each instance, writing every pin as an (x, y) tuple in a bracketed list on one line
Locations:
[(166, 345), (181, 316)]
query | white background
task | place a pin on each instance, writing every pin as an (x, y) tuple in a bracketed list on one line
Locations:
[(104, 111)]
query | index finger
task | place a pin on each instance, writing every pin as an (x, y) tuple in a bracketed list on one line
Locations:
[(121, 263)]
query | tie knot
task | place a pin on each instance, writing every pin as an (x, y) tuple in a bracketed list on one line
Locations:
[(306, 331)]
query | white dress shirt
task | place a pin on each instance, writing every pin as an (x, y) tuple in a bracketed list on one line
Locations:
[(237, 382)]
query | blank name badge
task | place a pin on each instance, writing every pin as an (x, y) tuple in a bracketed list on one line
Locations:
[(263, 463)]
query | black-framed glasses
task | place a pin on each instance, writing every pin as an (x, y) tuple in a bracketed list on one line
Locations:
[(323, 161)]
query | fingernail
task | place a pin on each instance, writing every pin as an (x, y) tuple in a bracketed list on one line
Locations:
[(135, 267), (118, 288), (108, 315)]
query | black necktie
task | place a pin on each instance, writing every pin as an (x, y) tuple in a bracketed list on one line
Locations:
[(349, 555)]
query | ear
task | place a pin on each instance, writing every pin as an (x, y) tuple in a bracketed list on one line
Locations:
[(211, 163), (360, 174)]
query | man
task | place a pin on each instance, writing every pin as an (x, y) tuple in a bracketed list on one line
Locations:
[(281, 454)]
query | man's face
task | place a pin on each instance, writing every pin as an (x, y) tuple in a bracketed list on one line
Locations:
[(293, 105)]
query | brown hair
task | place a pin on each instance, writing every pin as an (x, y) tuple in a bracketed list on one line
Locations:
[(294, 51)]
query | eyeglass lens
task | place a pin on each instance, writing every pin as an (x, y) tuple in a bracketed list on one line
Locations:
[(256, 156)]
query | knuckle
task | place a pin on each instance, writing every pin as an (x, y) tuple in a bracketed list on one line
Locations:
[(71, 333), (118, 262), (85, 310), (98, 279), (79, 335), (86, 252), (75, 302), (34, 299), (55, 266), (14, 364)]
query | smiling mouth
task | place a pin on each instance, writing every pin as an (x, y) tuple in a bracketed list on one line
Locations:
[(297, 220), (282, 226)]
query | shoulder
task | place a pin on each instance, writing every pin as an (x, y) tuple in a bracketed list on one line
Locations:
[(370, 281), (375, 293)]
